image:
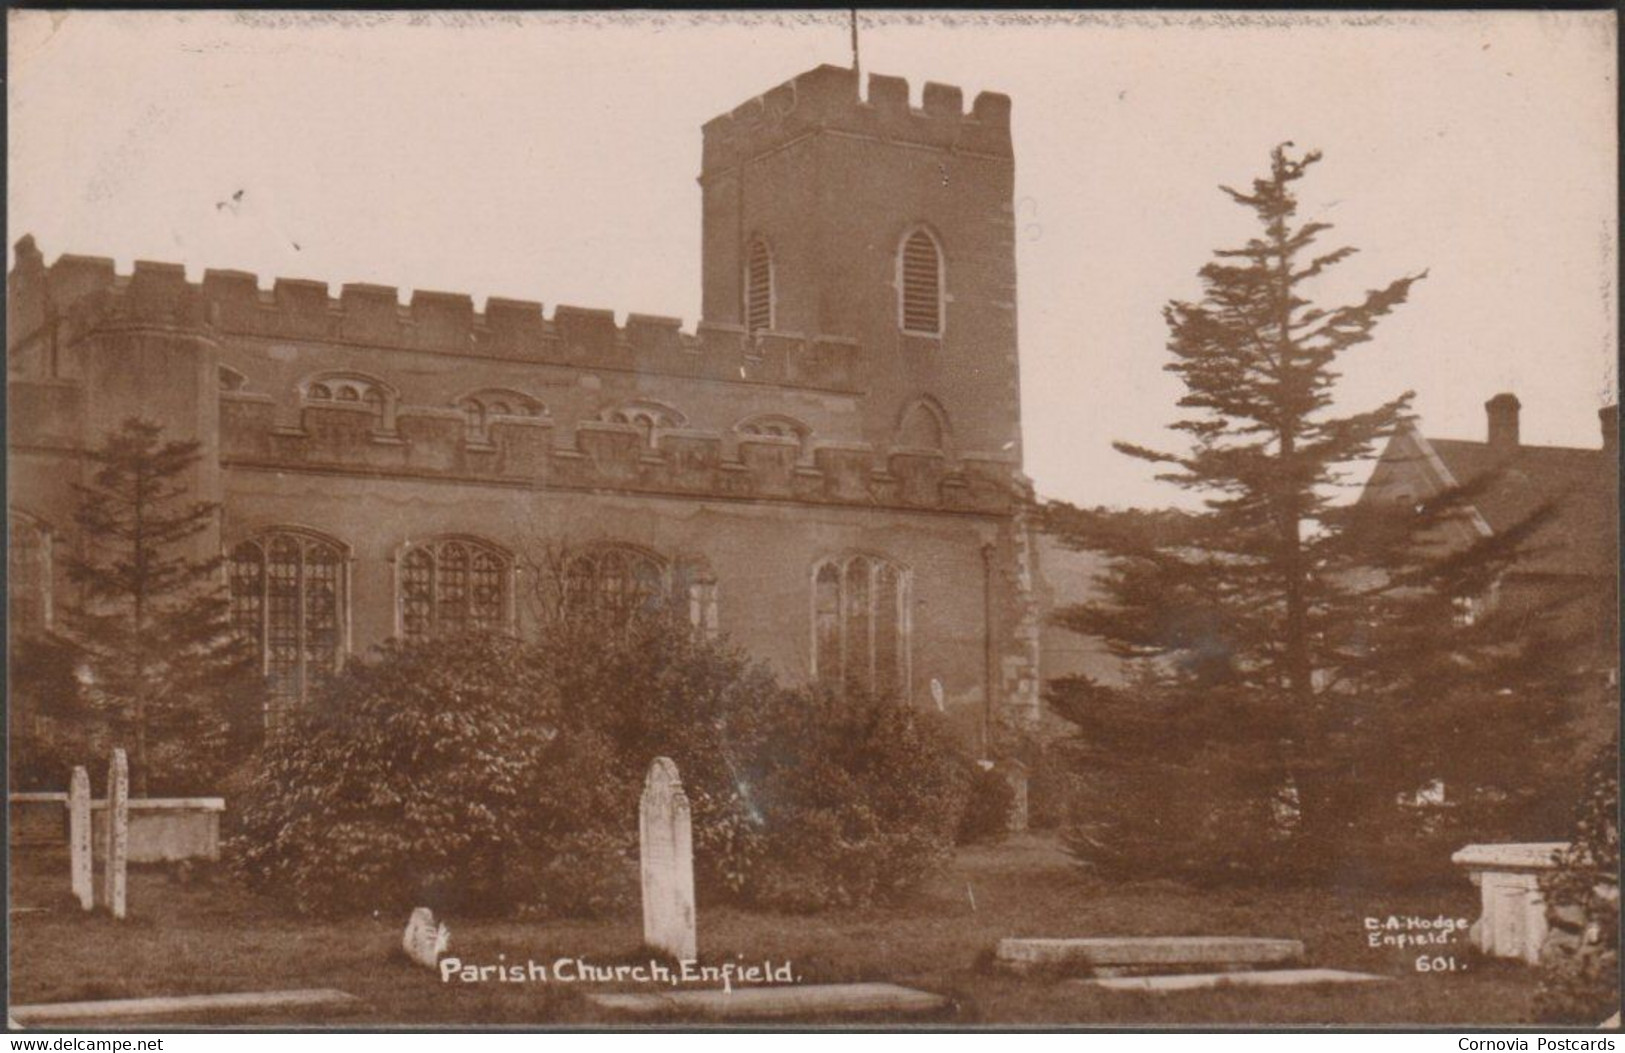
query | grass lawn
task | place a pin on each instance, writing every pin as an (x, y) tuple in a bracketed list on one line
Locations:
[(209, 936)]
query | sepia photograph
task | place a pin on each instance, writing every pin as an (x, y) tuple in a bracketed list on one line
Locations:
[(797, 520)]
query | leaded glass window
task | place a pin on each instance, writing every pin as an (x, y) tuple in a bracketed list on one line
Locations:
[(861, 625), (620, 584), (454, 585), (288, 595)]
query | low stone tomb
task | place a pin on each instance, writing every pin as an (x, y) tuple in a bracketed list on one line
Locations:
[(167, 829), (1512, 912), (38, 818)]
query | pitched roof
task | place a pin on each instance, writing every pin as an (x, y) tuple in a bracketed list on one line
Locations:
[(1583, 538)]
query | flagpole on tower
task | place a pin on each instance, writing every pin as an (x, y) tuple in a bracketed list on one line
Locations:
[(854, 40)]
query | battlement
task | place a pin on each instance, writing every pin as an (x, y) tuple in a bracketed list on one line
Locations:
[(436, 442), (87, 291), (827, 98), (599, 456)]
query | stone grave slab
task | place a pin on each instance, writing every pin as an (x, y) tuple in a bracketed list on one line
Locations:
[(1143, 953), (138, 1008), (758, 1003), (1201, 981)]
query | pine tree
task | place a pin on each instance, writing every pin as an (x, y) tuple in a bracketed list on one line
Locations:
[(163, 669), (1299, 663)]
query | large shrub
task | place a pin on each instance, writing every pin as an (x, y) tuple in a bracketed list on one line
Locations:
[(1580, 961), (856, 801), (484, 773), (407, 780), (800, 800)]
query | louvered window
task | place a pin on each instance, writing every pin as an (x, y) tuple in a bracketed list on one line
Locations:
[(758, 287), (921, 281)]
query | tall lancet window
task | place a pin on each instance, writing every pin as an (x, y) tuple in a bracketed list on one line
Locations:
[(919, 284), (289, 594), (758, 286), (861, 625)]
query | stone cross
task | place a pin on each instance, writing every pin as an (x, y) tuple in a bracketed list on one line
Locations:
[(79, 853), (424, 941), (666, 851), (116, 857)]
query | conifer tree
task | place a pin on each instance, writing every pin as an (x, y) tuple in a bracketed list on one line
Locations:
[(162, 667), (1299, 664)]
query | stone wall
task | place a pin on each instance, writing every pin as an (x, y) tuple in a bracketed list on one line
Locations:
[(762, 553)]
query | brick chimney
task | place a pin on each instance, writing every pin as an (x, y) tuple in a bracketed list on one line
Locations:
[(1609, 415), (1502, 411)]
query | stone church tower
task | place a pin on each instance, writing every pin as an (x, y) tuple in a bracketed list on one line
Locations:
[(835, 188)]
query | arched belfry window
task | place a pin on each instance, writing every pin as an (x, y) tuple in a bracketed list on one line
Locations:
[(920, 284), (290, 595), (454, 585), (759, 286), (861, 625)]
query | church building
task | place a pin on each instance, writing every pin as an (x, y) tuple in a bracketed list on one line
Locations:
[(827, 467)]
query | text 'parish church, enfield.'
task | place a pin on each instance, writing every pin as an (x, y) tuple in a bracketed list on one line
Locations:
[(827, 469)]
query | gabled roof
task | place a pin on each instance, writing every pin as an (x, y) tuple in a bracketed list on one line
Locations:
[(1583, 538)]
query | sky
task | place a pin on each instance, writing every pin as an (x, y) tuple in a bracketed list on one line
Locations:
[(552, 157)]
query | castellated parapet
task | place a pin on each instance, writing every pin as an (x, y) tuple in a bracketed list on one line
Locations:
[(88, 292), (429, 442), (88, 297), (826, 98)]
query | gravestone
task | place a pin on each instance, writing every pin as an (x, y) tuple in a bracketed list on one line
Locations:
[(116, 856), (81, 868), (424, 941), (666, 852)]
